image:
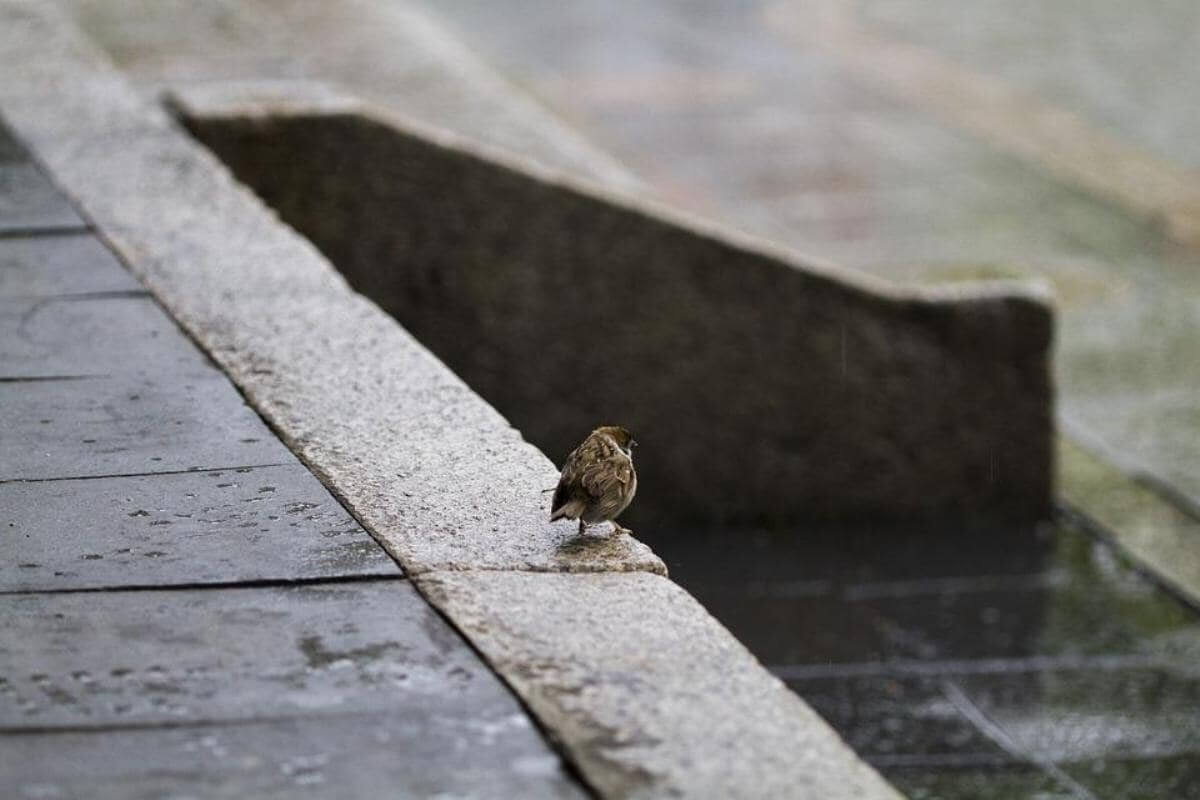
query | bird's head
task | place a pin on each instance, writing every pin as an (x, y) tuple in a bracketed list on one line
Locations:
[(622, 437)]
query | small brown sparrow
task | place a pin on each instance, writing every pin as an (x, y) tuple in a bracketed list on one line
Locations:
[(598, 481)]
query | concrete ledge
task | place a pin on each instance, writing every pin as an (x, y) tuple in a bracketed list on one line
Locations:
[(650, 696), (827, 393)]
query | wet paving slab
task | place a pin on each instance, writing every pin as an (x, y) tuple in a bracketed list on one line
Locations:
[(220, 526), (29, 202), (130, 425), (899, 719), (47, 266), (1175, 777), (325, 690), (11, 151), (93, 334), (971, 663), (1087, 713), (99, 659), (371, 755), (979, 782)]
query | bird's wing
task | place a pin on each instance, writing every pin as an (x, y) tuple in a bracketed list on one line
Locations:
[(607, 475), (571, 473)]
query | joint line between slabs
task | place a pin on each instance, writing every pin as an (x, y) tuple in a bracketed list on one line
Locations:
[(46, 231), (982, 666), (42, 300), (170, 724), (39, 378), (188, 471), (254, 583)]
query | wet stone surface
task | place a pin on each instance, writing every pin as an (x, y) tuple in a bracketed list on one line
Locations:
[(393, 754), (1085, 715), (10, 150), (896, 719), (99, 334), (97, 659), (121, 426), (978, 782), (335, 688), (42, 266), (222, 526), (28, 202), (987, 663), (1176, 777)]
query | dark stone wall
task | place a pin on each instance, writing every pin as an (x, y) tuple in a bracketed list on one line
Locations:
[(759, 390)]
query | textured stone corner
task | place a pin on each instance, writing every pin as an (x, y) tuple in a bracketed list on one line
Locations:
[(649, 695)]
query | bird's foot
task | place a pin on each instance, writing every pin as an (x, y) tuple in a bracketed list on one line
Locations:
[(617, 530)]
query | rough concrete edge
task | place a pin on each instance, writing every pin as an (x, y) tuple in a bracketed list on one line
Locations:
[(682, 709), (264, 99), (1160, 536)]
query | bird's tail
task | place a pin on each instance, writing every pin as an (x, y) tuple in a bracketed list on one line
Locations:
[(569, 510)]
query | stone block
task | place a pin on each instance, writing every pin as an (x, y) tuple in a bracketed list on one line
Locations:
[(126, 425), (42, 266), (29, 202), (648, 694), (99, 334), (224, 526), (105, 659), (353, 756)]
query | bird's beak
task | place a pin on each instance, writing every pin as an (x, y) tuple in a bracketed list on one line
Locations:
[(632, 443)]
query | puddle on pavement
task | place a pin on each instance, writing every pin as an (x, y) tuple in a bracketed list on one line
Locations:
[(986, 663)]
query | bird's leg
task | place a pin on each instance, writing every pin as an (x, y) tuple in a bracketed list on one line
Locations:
[(582, 527)]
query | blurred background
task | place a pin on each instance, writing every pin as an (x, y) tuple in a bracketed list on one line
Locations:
[(922, 141)]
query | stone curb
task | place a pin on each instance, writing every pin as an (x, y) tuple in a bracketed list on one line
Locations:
[(417, 456), (649, 695)]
